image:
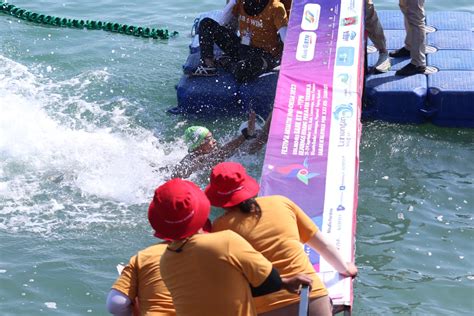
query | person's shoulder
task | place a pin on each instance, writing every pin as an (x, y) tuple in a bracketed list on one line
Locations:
[(273, 199), (153, 251)]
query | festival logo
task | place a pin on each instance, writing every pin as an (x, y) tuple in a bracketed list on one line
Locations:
[(300, 171), (345, 56), (343, 110), (306, 46), (311, 14), (349, 35), (352, 20)]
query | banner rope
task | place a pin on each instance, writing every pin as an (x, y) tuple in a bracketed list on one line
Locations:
[(51, 20)]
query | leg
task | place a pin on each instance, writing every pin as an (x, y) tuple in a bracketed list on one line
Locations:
[(375, 32), (403, 4), (415, 17), (252, 63), (210, 33), (374, 28), (320, 306)]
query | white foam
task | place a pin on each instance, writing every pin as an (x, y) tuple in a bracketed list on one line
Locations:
[(51, 305), (50, 140)]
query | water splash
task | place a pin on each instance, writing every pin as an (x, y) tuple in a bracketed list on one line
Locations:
[(62, 156)]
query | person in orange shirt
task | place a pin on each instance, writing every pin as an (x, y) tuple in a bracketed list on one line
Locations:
[(141, 283), (262, 28), (277, 227), (209, 274)]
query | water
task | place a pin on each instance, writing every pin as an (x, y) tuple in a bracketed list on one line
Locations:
[(82, 124)]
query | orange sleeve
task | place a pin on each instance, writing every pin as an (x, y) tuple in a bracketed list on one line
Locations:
[(127, 282), (280, 19), (254, 266), (306, 227)]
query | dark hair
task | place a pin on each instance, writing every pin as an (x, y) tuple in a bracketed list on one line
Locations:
[(248, 205)]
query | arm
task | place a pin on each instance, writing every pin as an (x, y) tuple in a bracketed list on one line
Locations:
[(118, 303), (328, 250), (275, 283), (227, 15), (262, 137), (282, 33), (229, 149)]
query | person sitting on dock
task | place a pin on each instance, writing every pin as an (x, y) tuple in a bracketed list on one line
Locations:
[(204, 151), (277, 227), (262, 26), (209, 274)]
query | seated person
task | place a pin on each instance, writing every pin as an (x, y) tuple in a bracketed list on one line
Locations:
[(204, 151), (209, 274), (262, 27)]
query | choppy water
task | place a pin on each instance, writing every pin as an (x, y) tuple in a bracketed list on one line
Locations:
[(82, 124)]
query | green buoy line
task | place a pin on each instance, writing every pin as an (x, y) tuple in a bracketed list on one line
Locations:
[(51, 20)]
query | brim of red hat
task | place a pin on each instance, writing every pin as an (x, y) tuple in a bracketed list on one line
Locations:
[(250, 189), (183, 230)]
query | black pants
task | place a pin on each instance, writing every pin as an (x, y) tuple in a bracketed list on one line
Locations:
[(247, 62)]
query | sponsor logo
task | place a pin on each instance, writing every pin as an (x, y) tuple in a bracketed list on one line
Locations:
[(306, 46), (348, 35), (345, 56), (298, 171), (311, 14), (352, 20), (343, 110), (344, 79)]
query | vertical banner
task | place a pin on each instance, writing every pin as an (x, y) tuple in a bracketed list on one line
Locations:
[(313, 147)]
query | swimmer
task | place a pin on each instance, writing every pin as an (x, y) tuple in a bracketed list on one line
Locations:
[(205, 152)]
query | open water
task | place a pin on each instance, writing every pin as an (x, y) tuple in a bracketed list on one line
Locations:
[(83, 122)]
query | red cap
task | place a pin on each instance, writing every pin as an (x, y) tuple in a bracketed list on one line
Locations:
[(178, 210), (230, 185)]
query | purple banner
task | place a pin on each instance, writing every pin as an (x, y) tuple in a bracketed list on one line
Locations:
[(312, 151)]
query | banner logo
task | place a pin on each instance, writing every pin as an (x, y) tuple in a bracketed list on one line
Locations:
[(311, 14), (299, 171), (343, 110), (306, 46), (348, 35), (352, 20), (345, 56)]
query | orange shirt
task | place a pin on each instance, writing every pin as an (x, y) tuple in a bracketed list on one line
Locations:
[(212, 273), (261, 30), (278, 235), (142, 278)]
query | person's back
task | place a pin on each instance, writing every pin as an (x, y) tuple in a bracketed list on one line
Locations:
[(278, 233), (210, 275), (141, 279)]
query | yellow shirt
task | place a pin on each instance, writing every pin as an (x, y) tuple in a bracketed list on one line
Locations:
[(261, 30), (212, 273), (142, 278), (278, 235)]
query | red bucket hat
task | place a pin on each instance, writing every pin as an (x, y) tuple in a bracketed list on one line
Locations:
[(178, 210), (230, 185)]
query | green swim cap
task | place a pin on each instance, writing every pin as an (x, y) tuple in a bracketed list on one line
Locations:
[(194, 136)]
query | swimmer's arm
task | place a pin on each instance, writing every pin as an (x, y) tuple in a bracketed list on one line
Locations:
[(262, 137), (229, 149), (331, 254)]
